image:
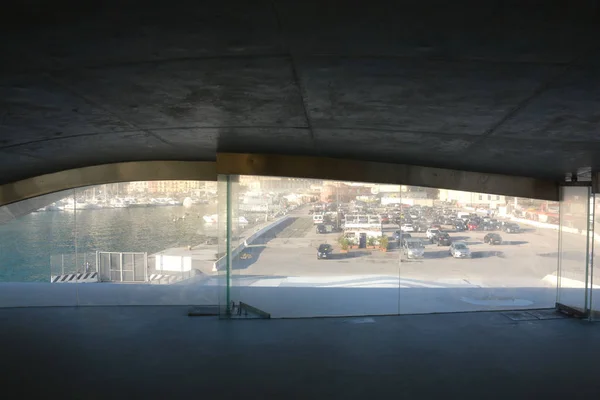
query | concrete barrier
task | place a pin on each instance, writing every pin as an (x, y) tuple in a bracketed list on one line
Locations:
[(553, 226), (221, 262), (535, 223), (552, 281)]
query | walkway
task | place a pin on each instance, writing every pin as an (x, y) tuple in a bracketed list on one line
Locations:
[(159, 352)]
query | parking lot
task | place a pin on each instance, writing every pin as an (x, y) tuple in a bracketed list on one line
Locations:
[(505, 276), (526, 256)]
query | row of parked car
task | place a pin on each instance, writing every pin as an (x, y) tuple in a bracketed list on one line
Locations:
[(414, 248)]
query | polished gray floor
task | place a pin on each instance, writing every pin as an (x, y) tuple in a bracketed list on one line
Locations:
[(160, 352)]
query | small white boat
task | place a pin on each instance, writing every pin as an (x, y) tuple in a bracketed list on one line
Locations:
[(210, 219), (213, 219)]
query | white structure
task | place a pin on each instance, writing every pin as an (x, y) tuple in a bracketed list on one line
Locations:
[(474, 199), (173, 263), (354, 235), (362, 221)]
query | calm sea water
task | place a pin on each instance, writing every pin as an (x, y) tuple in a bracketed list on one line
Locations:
[(28, 244)]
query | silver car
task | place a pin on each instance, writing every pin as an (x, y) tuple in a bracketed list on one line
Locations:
[(413, 248), (460, 250)]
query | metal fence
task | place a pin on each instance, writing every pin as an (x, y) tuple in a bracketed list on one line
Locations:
[(71, 263), (122, 266)]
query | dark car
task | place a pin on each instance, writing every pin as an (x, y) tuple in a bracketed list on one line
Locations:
[(492, 238), (492, 225), (419, 227), (324, 251), (400, 237), (459, 226), (511, 228), (487, 226), (442, 239)]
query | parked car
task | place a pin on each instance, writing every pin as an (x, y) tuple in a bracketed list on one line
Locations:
[(399, 236), (420, 227), (511, 228), (459, 226), (491, 225), (321, 228), (324, 251), (407, 228), (492, 238), (459, 250), (442, 239), (413, 248), (473, 226), (326, 228), (431, 232), (405, 237)]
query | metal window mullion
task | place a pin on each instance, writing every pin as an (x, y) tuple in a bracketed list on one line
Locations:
[(591, 263), (228, 227), (586, 307)]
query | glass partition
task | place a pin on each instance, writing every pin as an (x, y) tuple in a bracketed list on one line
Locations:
[(320, 248), (133, 243), (36, 247), (595, 260), (482, 252), (306, 248), (230, 244), (286, 247), (574, 248)]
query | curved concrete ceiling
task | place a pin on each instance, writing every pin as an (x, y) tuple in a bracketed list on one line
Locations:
[(498, 87)]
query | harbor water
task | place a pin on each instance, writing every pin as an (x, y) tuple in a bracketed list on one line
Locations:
[(28, 243)]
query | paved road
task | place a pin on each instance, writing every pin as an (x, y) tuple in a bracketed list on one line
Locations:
[(524, 257)]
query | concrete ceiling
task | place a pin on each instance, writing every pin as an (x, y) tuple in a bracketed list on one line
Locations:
[(503, 87)]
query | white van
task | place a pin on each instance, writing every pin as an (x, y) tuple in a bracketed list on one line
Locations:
[(463, 215), (318, 219)]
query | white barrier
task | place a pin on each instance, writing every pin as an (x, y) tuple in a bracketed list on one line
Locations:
[(248, 241), (552, 226), (552, 280)]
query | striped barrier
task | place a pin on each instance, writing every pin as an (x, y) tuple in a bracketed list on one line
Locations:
[(164, 278), (86, 277)]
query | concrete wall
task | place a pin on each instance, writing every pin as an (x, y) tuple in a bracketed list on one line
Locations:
[(251, 239)]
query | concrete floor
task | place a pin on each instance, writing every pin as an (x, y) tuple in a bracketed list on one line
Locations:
[(159, 352)]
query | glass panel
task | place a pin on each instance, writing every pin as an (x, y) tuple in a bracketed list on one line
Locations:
[(146, 243), (595, 261), (306, 248), (574, 248), (222, 265), (37, 253), (482, 252)]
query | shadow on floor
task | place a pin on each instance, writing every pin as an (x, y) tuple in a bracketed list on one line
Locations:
[(487, 254), (566, 255), (438, 254), (514, 242)]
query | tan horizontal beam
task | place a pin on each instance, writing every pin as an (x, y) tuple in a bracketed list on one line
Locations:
[(374, 172), (108, 173)]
